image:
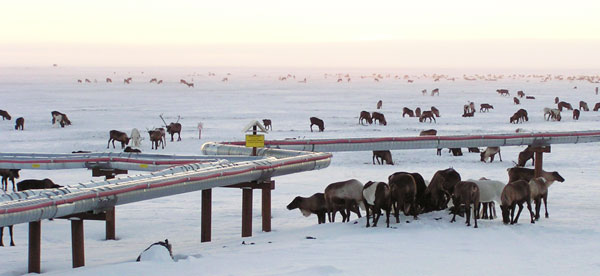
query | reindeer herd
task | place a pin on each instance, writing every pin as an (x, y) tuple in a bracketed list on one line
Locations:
[(409, 194), (157, 136)]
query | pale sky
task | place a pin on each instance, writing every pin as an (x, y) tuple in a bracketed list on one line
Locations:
[(301, 33)]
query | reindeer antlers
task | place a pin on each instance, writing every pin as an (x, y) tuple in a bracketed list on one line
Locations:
[(161, 117)]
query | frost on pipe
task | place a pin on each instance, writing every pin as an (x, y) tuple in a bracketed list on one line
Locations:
[(433, 142), (35, 205)]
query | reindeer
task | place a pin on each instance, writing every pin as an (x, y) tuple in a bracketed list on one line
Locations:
[(7, 116), (521, 94), (583, 106), (556, 100), (318, 122), (267, 123), (503, 92), (116, 135), (379, 104), (108, 80), (153, 80), (19, 123), (173, 128), (365, 115), (516, 100), (424, 92), (379, 117), (427, 115), (136, 138), (566, 105), (60, 118), (157, 136), (435, 111), (576, 113), (596, 107), (382, 156), (418, 112), (435, 91), (485, 107), (407, 111)]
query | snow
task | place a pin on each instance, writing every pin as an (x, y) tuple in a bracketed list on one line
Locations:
[(565, 243)]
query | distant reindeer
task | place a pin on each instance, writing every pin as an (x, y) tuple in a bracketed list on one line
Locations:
[(365, 115), (407, 111), (556, 100), (116, 135), (157, 136), (435, 111), (427, 115), (435, 91), (521, 94), (191, 84), (127, 80), (108, 80), (516, 100), (379, 117), (424, 92), (596, 107), (88, 81), (379, 104), (576, 113), (153, 80), (267, 124), (566, 105), (418, 112), (225, 80), (381, 156), (485, 107), (136, 138), (318, 122), (59, 118), (7, 116), (503, 92), (583, 106), (173, 128), (19, 123), (159, 82)]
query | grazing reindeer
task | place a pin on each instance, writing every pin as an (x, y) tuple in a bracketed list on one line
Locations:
[(6, 116), (597, 106), (490, 152), (157, 136), (79, 81), (485, 107), (418, 112), (503, 92), (108, 80), (515, 193), (376, 196), (525, 155), (424, 92), (88, 81), (153, 80), (466, 193), (116, 135), (583, 106), (314, 204), (437, 194), (267, 123), (379, 117), (403, 190), (427, 115), (530, 97), (407, 111), (159, 82), (576, 114), (60, 118), (379, 104), (318, 122), (435, 91), (19, 123), (519, 116), (381, 156), (435, 111), (527, 175), (365, 115), (191, 84), (127, 80), (344, 196), (132, 150), (516, 100), (566, 105), (521, 94), (173, 128)]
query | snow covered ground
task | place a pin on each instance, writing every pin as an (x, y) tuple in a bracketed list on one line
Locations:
[(566, 243)]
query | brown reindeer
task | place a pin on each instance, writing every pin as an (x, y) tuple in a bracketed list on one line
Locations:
[(191, 84), (116, 135), (378, 117), (403, 190), (157, 136), (381, 156), (379, 104), (435, 111), (108, 80), (519, 116), (516, 100), (556, 100), (530, 97), (407, 111), (9, 174), (365, 115), (318, 122), (344, 196), (503, 92), (466, 193), (314, 204), (437, 195), (596, 107), (20, 123), (173, 128), (88, 81), (7, 116), (127, 80), (267, 123), (485, 107), (153, 80), (521, 94), (427, 115), (418, 112), (79, 81), (583, 106), (429, 132), (159, 82), (566, 105), (515, 193), (424, 92), (525, 155), (435, 91), (60, 118), (576, 114)]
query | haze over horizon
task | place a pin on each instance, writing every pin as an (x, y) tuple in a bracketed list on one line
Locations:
[(428, 34)]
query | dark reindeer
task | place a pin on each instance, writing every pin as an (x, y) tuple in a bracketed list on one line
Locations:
[(173, 128), (516, 100), (60, 118), (521, 94), (378, 117), (418, 112), (525, 155), (515, 193), (318, 122), (381, 156), (379, 104), (314, 204), (597, 106), (267, 123), (9, 174), (116, 135), (583, 106), (407, 111), (403, 189), (5, 115), (503, 92), (576, 113), (157, 136), (427, 115), (566, 105), (377, 197), (20, 123), (466, 193), (435, 111), (365, 115)]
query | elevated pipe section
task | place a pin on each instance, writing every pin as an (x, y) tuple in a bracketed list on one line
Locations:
[(434, 142), (120, 160), (34, 205)]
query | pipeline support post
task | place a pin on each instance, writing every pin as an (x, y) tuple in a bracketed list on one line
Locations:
[(539, 153), (35, 248), (205, 219), (266, 205), (110, 224), (77, 242), (246, 212)]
